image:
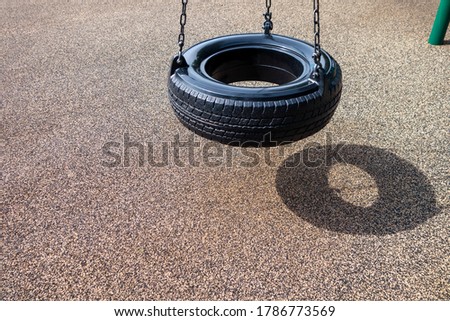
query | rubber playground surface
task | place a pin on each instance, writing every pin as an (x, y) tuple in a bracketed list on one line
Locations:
[(106, 196)]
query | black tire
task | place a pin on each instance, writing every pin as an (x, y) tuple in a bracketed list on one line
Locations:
[(205, 102)]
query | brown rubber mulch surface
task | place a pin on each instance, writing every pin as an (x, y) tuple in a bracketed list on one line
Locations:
[(370, 223)]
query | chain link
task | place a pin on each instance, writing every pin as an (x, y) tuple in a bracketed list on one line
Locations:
[(317, 50), (181, 36), (268, 24)]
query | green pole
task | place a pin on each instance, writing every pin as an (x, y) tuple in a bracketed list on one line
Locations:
[(440, 23)]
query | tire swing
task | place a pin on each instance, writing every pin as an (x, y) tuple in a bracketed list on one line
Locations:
[(307, 91)]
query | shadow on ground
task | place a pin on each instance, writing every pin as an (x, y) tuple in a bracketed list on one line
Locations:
[(404, 197)]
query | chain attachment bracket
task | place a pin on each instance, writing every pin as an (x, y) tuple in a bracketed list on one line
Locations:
[(268, 24)]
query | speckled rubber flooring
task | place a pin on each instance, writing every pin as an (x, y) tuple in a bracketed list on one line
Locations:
[(82, 79)]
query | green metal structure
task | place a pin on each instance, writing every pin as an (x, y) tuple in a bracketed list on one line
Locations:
[(440, 23)]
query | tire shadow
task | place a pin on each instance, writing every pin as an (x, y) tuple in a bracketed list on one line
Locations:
[(405, 196)]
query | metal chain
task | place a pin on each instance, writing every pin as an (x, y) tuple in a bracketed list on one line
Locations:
[(181, 36), (268, 24), (317, 50)]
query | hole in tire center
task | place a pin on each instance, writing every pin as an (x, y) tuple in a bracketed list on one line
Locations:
[(252, 83), (254, 67)]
